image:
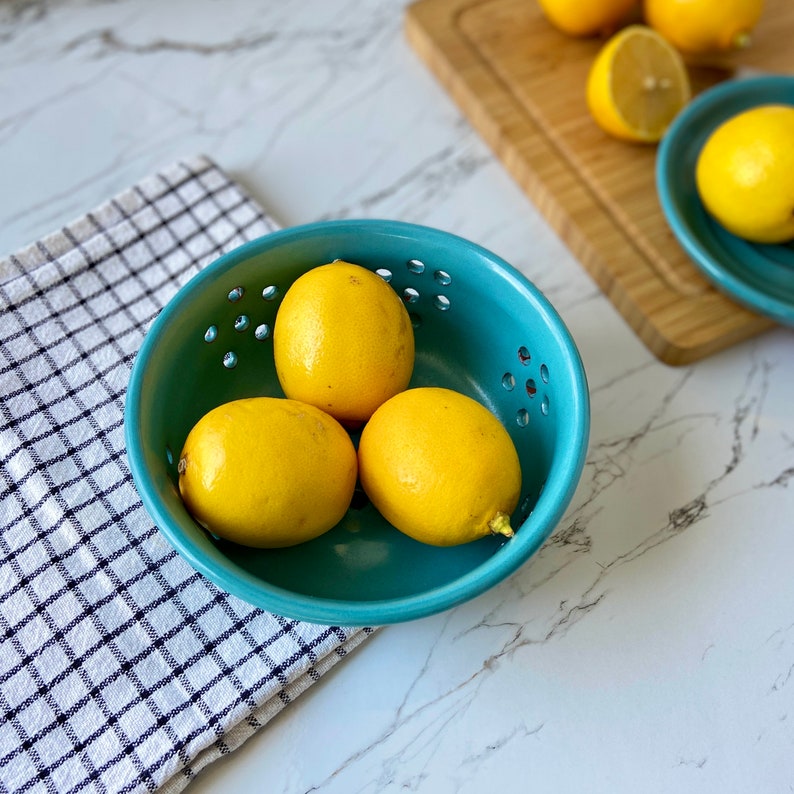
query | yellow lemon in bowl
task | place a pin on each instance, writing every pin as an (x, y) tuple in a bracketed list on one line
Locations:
[(637, 84), (267, 472), (343, 341), (745, 174), (703, 26), (587, 17), (440, 467)]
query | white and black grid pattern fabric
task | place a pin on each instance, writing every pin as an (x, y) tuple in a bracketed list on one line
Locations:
[(121, 668)]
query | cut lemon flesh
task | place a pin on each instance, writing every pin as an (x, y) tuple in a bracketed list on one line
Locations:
[(637, 85)]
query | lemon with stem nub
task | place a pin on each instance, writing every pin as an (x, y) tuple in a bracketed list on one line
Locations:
[(704, 26), (440, 467), (637, 85)]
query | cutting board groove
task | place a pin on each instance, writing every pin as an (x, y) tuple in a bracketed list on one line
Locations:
[(520, 82)]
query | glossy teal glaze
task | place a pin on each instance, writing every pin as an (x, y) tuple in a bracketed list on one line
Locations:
[(364, 572), (760, 277)]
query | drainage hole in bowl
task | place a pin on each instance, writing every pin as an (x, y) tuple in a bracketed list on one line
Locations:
[(416, 319), (416, 266), (524, 355), (241, 323), (410, 295), (385, 274), (441, 302), (230, 360), (211, 334), (544, 373), (508, 381), (270, 292), (531, 387), (544, 405), (522, 417), (235, 294), (169, 455), (262, 332), (442, 278)]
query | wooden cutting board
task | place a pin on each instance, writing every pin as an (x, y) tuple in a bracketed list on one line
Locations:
[(520, 83)]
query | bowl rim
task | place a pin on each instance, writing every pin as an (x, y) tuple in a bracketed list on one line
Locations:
[(562, 480), (701, 116)]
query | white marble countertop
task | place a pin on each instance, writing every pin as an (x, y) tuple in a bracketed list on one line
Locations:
[(650, 645)]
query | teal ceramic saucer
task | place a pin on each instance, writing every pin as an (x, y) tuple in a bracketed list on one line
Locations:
[(759, 277)]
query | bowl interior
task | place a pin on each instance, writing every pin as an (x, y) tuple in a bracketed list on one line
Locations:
[(480, 328), (760, 277)]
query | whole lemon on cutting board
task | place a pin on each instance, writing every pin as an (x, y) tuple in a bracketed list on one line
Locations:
[(440, 467), (745, 174), (587, 17), (343, 341), (703, 26), (637, 84), (267, 472)]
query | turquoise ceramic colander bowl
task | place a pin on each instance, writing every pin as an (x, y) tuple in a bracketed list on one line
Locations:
[(480, 328)]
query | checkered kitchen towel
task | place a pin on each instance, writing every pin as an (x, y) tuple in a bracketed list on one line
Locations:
[(121, 668)]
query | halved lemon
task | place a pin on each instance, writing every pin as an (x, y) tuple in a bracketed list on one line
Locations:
[(637, 85)]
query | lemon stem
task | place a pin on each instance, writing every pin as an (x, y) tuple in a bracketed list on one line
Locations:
[(500, 525)]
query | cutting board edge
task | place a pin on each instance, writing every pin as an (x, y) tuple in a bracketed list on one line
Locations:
[(670, 342)]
